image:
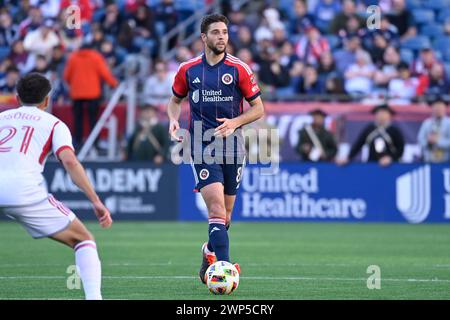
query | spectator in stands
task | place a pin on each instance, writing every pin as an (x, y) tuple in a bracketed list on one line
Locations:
[(387, 31), (9, 32), (112, 20), (387, 70), (49, 8), (12, 76), (108, 52), (166, 18), (43, 40), (158, 87), (423, 64), (236, 24), (327, 65), (347, 56), (96, 36), (315, 142), (42, 66), (144, 29), (402, 88), (435, 83), (301, 20), (279, 34), (402, 19), (182, 54), (434, 134), (150, 141), (359, 76), (380, 45), (289, 59), (58, 61), (33, 21), (21, 59), (325, 11), (245, 39), (311, 46), (334, 86), (384, 140), (275, 75), (246, 56), (85, 70), (310, 83), (348, 13)]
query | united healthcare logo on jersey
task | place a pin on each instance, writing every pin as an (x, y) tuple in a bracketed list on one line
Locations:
[(413, 194)]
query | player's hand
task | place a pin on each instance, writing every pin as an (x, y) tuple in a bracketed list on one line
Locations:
[(103, 215), (173, 127), (226, 128)]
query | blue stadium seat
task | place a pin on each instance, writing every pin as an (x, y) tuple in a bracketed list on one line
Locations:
[(432, 30), (422, 16), (441, 44), (416, 43), (436, 4), (406, 55), (443, 15), (413, 4), (4, 52), (333, 41)]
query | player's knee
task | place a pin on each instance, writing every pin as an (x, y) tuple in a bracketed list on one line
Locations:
[(217, 209), (82, 236)]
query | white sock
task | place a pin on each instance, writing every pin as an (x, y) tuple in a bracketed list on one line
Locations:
[(89, 266)]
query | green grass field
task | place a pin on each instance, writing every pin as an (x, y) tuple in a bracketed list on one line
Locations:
[(279, 261)]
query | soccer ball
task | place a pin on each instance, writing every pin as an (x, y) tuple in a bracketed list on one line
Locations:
[(222, 278)]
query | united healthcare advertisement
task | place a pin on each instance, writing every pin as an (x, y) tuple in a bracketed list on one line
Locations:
[(411, 193)]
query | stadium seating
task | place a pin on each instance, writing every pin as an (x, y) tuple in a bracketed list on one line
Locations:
[(416, 43), (423, 16), (432, 30)]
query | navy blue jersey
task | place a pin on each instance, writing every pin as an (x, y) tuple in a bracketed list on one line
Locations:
[(215, 92)]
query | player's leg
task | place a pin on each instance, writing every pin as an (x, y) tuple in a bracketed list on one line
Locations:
[(88, 263), (51, 219), (229, 205), (218, 236), (232, 173)]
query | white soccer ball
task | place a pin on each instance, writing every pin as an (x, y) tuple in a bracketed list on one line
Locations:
[(222, 278)]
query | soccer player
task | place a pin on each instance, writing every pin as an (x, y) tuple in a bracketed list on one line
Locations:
[(216, 83), (27, 135)]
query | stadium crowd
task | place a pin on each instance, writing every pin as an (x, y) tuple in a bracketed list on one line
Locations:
[(299, 49)]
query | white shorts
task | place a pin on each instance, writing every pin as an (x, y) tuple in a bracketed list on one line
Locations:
[(42, 219)]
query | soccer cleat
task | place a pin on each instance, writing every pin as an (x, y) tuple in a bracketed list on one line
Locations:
[(208, 259), (238, 267)]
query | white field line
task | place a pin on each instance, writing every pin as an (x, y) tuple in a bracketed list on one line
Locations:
[(180, 277), (169, 263)]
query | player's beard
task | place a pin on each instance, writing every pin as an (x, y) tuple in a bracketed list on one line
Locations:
[(216, 50)]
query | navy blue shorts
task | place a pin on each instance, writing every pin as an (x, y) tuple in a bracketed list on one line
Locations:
[(229, 174)]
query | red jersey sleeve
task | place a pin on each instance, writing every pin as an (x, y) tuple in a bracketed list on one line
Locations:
[(247, 83), (180, 87)]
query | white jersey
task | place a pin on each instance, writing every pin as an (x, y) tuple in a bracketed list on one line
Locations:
[(27, 136)]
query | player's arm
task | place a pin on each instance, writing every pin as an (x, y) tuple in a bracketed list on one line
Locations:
[(228, 126), (79, 177), (173, 112)]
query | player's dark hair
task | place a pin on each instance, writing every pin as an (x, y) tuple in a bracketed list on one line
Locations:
[(33, 88), (210, 19)]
